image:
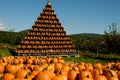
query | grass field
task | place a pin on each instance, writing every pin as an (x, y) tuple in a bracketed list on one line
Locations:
[(4, 52), (91, 58), (87, 60)]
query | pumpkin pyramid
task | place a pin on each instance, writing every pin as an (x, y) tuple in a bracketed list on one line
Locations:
[(47, 36)]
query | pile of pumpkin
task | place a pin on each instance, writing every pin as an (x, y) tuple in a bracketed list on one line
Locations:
[(47, 68)]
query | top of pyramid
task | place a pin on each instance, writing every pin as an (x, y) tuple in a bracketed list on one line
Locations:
[(48, 3)]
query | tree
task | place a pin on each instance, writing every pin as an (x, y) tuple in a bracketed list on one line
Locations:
[(112, 39)]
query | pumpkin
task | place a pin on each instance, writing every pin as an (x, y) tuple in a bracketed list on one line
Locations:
[(44, 75), (1, 68), (58, 67), (43, 61), (54, 60), (21, 60), (100, 77), (29, 61), (72, 75), (81, 67), (11, 68), (96, 73), (32, 75), (89, 66), (110, 73), (85, 74), (23, 73), (8, 76), (66, 67), (64, 74), (51, 67), (71, 64), (118, 73), (36, 61), (61, 61), (49, 60), (98, 66), (57, 77), (15, 61), (113, 78)]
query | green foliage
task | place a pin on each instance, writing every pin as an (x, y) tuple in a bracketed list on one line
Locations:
[(112, 39), (13, 38), (88, 42)]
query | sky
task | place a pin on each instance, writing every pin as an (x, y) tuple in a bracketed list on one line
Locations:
[(76, 16)]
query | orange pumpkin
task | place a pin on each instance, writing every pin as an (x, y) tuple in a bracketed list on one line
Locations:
[(113, 78), (29, 61), (58, 67), (44, 75), (49, 60), (11, 68), (81, 67), (15, 61), (110, 73), (118, 73), (72, 75), (96, 73), (1, 68), (54, 60), (98, 66), (100, 77), (8, 76), (84, 75), (64, 74), (57, 77), (23, 73), (89, 66)]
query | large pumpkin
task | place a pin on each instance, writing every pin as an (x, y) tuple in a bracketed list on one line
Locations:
[(85, 75), (44, 75), (72, 74), (23, 73), (8, 76)]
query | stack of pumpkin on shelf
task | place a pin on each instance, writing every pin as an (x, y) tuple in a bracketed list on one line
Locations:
[(55, 68)]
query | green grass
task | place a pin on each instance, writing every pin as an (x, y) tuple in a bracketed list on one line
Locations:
[(104, 58), (85, 59), (103, 55), (4, 52)]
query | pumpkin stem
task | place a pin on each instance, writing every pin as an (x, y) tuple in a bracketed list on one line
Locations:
[(2, 59), (110, 73), (28, 74)]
